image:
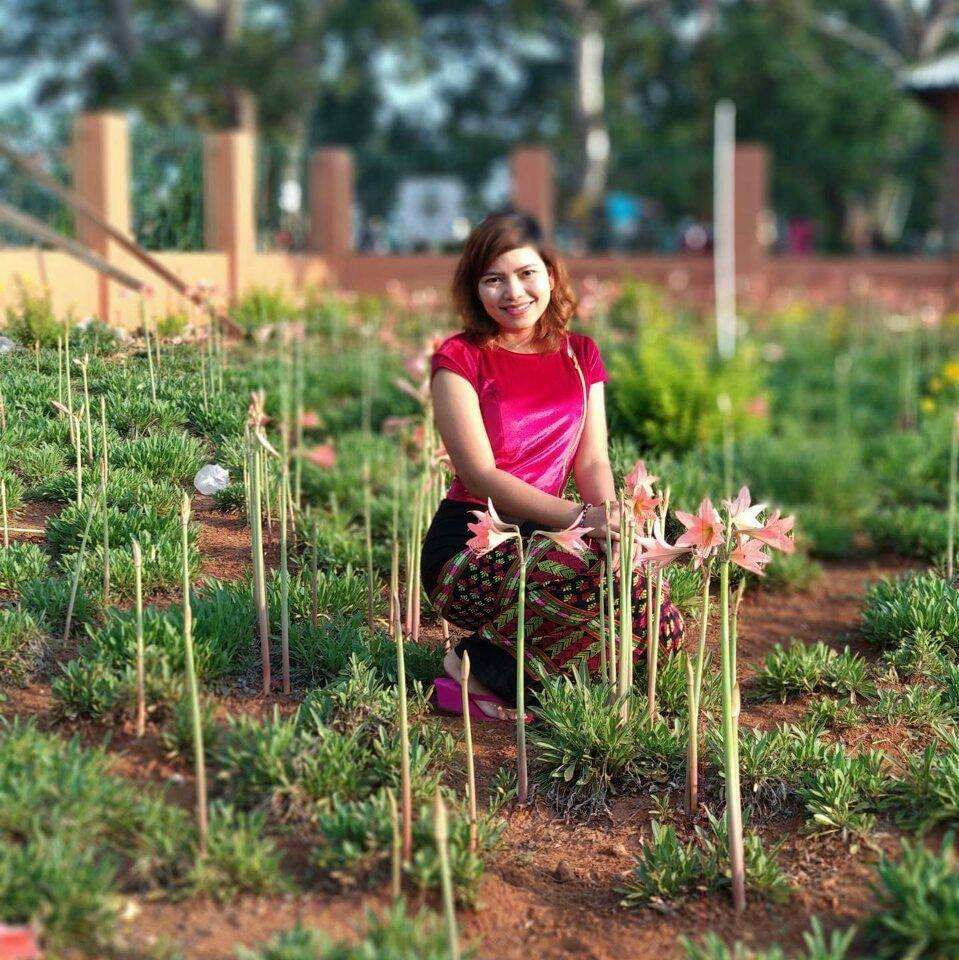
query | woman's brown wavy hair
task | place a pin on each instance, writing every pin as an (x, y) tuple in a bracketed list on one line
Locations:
[(496, 235)]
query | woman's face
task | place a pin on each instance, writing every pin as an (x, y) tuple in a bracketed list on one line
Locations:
[(515, 288)]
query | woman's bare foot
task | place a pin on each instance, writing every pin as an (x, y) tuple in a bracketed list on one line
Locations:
[(453, 666)]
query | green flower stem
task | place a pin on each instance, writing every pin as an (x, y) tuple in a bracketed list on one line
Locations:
[(284, 581), (191, 680), (441, 831), (314, 576), (734, 819), (521, 766), (601, 604), (953, 469), (60, 369), (141, 717), (610, 598), (368, 539), (259, 572), (396, 872), (406, 791), (146, 337), (68, 374), (3, 510), (79, 459), (654, 649), (76, 573), (694, 682), (470, 764)]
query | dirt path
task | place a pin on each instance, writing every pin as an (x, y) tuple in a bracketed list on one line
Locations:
[(551, 891)]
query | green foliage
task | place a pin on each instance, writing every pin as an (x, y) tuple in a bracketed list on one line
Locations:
[(22, 640), (19, 563), (791, 571), (31, 317), (803, 668), (669, 869), (165, 454), (260, 307), (582, 752), (917, 909), (927, 792), (919, 532), (897, 608), (72, 835), (47, 598), (240, 857), (818, 947), (394, 935), (664, 392)]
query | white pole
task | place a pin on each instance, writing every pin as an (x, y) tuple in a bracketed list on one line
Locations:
[(724, 225)]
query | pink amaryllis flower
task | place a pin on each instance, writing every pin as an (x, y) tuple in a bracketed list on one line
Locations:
[(489, 531), (776, 533), (309, 419), (639, 477), (657, 552), (570, 539), (323, 455), (704, 531), (750, 555), (742, 515)]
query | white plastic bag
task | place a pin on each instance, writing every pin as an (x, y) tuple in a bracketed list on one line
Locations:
[(6, 344), (211, 479)]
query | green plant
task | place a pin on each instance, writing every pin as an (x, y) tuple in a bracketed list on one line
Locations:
[(792, 571), (31, 318), (927, 792), (666, 869), (664, 392), (394, 935), (239, 858), (22, 641), (897, 608), (803, 668), (919, 532), (917, 909), (19, 563), (47, 598)]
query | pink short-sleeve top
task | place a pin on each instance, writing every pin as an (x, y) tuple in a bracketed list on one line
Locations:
[(532, 404)]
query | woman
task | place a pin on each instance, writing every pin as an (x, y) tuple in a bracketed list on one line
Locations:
[(519, 403)]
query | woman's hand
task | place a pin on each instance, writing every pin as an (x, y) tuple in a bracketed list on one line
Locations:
[(596, 519)]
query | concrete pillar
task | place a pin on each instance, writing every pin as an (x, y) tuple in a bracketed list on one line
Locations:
[(531, 171), (101, 175), (229, 224), (751, 177), (331, 182)]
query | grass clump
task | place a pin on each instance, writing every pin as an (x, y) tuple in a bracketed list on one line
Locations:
[(669, 869), (19, 563), (240, 857), (394, 935), (801, 668), (898, 608), (22, 641), (920, 531), (582, 752), (917, 911), (818, 946), (73, 837)]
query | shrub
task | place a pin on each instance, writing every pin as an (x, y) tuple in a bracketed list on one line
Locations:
[(666, 869), (919, 532), (664, 392), (917, 910), (927, 793), (165, 454), (31, 318)]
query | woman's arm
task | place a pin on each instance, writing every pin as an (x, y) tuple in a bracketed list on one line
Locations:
[(591, 469), (457, 413)]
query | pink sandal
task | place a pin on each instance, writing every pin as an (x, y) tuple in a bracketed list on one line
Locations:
[(449, 698)]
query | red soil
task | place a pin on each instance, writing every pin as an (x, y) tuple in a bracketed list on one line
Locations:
[(551, 891)]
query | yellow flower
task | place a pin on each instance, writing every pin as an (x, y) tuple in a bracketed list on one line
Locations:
[(951, 371), (927, 405)]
